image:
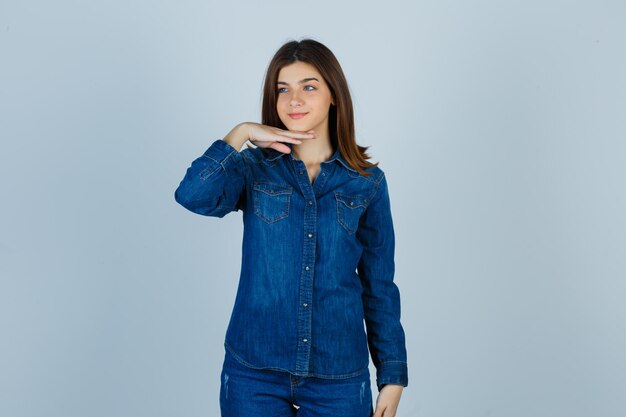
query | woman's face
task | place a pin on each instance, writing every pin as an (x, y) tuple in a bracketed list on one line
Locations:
[(301, 89)]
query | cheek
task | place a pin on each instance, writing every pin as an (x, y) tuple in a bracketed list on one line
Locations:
[(281, 103), (321, 102)]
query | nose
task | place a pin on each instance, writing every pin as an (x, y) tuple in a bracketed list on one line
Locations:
[(295, 100)]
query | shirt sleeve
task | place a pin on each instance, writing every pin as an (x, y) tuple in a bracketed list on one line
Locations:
[(214, 184), (381, 296)]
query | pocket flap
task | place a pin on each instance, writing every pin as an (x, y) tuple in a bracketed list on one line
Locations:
[(351, 201), (271, 188)]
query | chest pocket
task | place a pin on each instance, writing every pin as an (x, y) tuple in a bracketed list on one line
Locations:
[(271, 200), (349, 211)]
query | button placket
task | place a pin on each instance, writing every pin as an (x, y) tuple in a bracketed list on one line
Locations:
[(308, 261)]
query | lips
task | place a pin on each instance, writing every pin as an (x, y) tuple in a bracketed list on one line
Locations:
[(297, 115)]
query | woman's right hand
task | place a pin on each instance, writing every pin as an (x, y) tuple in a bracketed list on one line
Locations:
[(265, 136)]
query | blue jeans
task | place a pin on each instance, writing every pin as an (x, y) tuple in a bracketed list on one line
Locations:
[(247, 392)]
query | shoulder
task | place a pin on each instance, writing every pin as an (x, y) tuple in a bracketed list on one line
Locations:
[(379, 186), (254, 155), (376, 175)]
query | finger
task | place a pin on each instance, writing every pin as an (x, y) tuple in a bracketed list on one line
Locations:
[(280, 147), (379, 412), (387, 413), (287, 139), (301, 135), (275, 138)]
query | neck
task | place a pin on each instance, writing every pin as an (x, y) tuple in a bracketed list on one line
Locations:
[(313, 151)]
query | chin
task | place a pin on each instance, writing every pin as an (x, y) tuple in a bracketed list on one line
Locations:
[(298, 127)]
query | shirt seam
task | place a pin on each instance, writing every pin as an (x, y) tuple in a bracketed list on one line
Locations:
[(309, 374)]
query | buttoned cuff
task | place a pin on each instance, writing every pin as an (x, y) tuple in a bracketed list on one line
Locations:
[(392, 372), (219, 150), (220, 154)]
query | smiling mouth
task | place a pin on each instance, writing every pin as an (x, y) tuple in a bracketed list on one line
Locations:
[(297, 115)]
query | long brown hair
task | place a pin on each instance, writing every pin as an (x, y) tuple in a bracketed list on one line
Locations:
[(341, 114)]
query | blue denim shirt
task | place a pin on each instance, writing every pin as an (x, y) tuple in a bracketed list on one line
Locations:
[(317, 260)]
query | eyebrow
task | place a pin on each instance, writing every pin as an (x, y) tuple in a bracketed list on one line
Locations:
[(301, 81)]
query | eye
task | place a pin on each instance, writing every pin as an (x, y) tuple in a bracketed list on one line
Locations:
[(280, 90)]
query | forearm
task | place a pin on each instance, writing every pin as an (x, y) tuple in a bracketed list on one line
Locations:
[(214, 184)]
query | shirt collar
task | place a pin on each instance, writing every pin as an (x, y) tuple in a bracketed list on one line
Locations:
[(272, 154)]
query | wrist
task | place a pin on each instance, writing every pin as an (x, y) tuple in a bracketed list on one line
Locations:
[(238, 136)]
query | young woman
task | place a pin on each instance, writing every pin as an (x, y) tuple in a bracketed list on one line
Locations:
[(318, 251)]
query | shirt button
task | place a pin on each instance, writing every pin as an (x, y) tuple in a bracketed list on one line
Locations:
[(305, 304), (307, 268), (301, 172), (310, 202), (310, 234), (323, 173), (305, 340)]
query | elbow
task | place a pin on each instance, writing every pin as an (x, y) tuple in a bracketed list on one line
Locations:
[(210, 207), (185, 199), (179, 197)]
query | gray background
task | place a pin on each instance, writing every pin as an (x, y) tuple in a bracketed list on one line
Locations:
[(500, 125)]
